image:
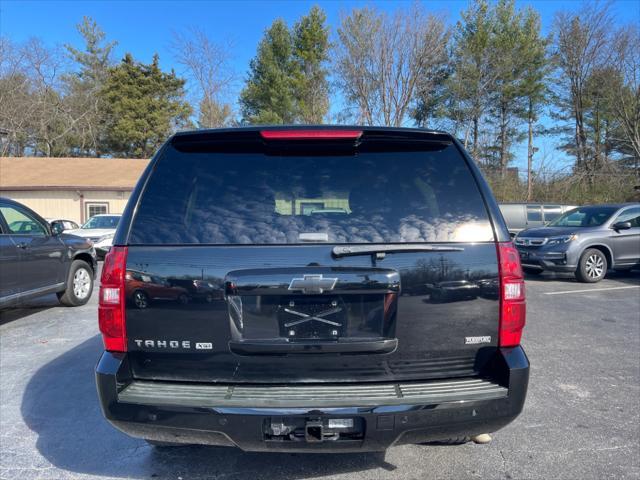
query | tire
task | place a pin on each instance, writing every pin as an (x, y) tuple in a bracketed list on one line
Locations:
[(592, 266), (140, 299), (449, 441), (183, 299), (79, 285)]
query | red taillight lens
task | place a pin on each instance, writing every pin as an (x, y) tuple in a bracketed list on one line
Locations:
[(310, 134), (111, 317), (512, 296)]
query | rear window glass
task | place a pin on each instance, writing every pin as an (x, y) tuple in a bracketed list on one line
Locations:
[(252, 198)]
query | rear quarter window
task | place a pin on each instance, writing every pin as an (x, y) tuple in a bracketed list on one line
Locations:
[(253, 198)]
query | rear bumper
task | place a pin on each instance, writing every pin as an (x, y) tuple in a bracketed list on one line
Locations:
[(387, 414)]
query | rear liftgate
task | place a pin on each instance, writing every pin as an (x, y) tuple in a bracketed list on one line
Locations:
[(313, 310)]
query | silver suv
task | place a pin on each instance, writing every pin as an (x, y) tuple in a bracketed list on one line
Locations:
[(586, 241)]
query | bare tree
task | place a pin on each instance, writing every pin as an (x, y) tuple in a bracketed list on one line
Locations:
[(625, 100), (52, 118), (207, 65), (14, 99), (582, 43), (34, 114), (382, 61)]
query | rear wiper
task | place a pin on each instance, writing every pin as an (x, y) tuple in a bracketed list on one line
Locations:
[(380, 250)]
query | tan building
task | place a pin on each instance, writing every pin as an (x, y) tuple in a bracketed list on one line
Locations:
[(70, 188)]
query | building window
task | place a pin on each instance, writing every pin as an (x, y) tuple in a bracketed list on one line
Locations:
[(96, 209)]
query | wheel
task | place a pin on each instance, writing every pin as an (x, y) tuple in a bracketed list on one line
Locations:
[(183, 299), (79, 285), (532, 271), (592, 266), (140, 299), (449, 441)]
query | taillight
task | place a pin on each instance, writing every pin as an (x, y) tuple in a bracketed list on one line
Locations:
[(512, 297), (320, 134), (111, 314)]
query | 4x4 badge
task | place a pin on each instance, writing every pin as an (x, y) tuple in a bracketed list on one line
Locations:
[(313, 284)]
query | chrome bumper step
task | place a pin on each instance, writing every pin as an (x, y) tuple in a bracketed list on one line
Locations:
[(306, 396)]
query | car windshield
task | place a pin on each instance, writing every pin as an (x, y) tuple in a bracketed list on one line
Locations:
[(108, 221), (584, 217)]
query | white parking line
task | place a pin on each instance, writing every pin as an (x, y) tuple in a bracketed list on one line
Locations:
[(592, 290)]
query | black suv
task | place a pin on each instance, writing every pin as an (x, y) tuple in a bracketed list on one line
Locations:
[(38, 259), (321, 246)]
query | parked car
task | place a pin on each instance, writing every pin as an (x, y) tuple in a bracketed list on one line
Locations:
[(38, 259), (100, 230), (143, 289), (520, 216), (315, 233), (197, 289), (63, 224), (586, 241), (454, 290)]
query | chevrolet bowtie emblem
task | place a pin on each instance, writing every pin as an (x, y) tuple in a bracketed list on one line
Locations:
[(313, 284)]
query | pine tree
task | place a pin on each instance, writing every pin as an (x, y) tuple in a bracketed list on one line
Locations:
[(508, 46), (310, 55), (268, 97), (472, 79), (95, 60), (83, 86), (534, 83), (143, 106)]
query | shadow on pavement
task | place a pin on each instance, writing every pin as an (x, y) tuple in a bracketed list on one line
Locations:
[(11, 314), (61, 406)]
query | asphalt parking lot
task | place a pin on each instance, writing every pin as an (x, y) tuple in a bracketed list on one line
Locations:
[(581, 419)]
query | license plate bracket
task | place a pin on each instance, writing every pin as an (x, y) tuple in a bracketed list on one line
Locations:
[(318, 318)]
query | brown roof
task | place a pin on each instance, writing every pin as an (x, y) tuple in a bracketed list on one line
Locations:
[(55, 173)]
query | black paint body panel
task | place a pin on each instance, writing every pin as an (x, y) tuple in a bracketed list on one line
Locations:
[(430, 332)]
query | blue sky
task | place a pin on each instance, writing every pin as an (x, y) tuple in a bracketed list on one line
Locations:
[(145, 27)]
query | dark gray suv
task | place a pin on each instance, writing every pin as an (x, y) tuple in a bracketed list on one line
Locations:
[(37, 258), (586, 241)]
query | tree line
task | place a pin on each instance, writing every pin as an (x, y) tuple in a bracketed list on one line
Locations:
[(493, 79)]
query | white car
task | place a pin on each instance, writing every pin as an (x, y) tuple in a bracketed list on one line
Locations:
[(100, 230)]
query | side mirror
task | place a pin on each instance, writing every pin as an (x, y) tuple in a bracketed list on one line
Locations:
[(621, 226), (57, 228)]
